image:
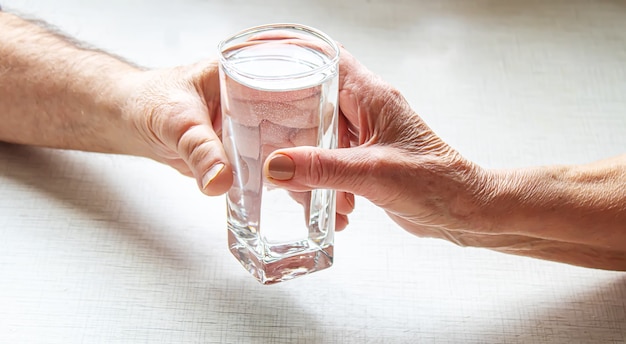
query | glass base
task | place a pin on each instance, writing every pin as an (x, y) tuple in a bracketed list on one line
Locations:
[(281, 262)]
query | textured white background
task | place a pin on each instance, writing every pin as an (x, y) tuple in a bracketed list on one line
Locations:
[(109, 249)]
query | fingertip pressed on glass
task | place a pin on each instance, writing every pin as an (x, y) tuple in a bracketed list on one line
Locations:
[(279, 89)]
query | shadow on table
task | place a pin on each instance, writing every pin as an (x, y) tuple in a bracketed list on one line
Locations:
[(597, 315), (212, 305), (63, 177)]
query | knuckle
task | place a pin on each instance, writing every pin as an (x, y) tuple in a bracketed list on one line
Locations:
[(318, 171), (166, 120), (194, 147)]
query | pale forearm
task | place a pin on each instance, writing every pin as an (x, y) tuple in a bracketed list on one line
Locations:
[(56, 94), (583, 204)]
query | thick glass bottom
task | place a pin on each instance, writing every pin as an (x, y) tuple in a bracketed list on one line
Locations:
[(280, 262)]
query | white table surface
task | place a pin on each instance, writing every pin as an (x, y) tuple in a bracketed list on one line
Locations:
[(110, 249)]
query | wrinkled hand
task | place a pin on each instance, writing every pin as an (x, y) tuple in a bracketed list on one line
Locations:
[(176, 118), (397, 162)]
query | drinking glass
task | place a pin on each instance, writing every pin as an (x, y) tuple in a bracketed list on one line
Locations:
[(279, 89)]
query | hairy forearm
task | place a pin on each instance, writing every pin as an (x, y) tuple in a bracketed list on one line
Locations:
[(583, 204), (55, 93)]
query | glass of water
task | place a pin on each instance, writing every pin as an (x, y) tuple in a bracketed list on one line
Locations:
[(279, 89)]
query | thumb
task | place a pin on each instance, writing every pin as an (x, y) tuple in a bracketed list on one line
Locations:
[(201, 149), (360, 170)]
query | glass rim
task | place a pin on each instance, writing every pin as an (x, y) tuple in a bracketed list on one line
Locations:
[(266, 27)]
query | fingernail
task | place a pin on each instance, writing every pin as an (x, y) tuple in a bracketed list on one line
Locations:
[(211, 174), (281, 167)]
